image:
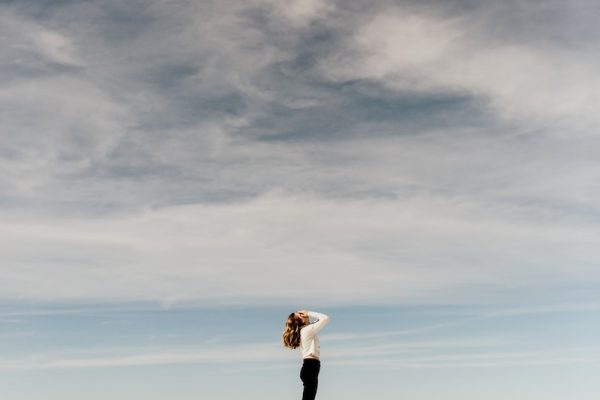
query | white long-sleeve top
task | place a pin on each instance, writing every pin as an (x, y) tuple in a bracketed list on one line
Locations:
[(309, 341)]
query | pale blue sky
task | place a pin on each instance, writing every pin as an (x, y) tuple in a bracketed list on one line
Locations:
[(139, 350), (177, 177)]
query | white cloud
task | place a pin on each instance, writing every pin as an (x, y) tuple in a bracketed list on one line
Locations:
[(409, 50), (257, 251), (28, 44), (57, 47), (302, 12)]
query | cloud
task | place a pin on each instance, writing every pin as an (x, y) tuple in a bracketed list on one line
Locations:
[(412, 355), (302, 13), (362, 251), (224, 151), (232, 354), (545, 309), (54, 121), (421, 49)]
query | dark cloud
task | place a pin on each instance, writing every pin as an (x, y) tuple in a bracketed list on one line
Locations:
[(209, 100)]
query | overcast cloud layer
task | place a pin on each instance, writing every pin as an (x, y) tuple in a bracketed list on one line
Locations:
[(224, 151)]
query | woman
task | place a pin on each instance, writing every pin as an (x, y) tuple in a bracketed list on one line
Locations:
[(300, 333)]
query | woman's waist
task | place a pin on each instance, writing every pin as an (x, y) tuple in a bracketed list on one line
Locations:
[(311, 360)]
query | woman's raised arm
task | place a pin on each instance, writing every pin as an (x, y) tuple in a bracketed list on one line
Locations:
[(315, 327)]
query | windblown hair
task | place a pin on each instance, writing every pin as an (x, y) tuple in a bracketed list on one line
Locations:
[(291, 334)]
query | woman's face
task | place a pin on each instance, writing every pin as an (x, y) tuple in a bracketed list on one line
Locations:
[(303, 316)]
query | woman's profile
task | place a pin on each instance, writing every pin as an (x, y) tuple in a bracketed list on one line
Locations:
[(300, 333)]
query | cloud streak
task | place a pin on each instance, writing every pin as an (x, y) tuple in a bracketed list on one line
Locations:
[(409, 355)]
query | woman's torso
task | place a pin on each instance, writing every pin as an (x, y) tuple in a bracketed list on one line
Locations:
[(310, 347)]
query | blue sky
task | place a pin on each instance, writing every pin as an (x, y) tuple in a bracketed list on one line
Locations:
[(139, 350), (179, 176)]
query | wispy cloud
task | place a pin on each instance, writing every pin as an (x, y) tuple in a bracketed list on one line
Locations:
[(409, 355), (485, 360), (381, 334), (543, 309), (231, 354)]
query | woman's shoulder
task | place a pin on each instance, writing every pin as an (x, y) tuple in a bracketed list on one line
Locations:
[(305, 330)]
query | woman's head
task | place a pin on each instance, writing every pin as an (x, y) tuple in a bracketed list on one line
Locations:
[(291, 333), (303, 315)]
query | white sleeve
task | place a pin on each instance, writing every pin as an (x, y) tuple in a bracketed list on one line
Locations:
[(315, 327)]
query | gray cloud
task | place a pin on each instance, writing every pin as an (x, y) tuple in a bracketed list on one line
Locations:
[(476, 116)]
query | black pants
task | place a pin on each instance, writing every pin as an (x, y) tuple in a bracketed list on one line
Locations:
[(310, 378)]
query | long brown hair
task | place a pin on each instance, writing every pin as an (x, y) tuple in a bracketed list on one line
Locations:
[(291, 334)]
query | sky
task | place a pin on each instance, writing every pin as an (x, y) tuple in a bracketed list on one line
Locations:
[(178, 176)]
